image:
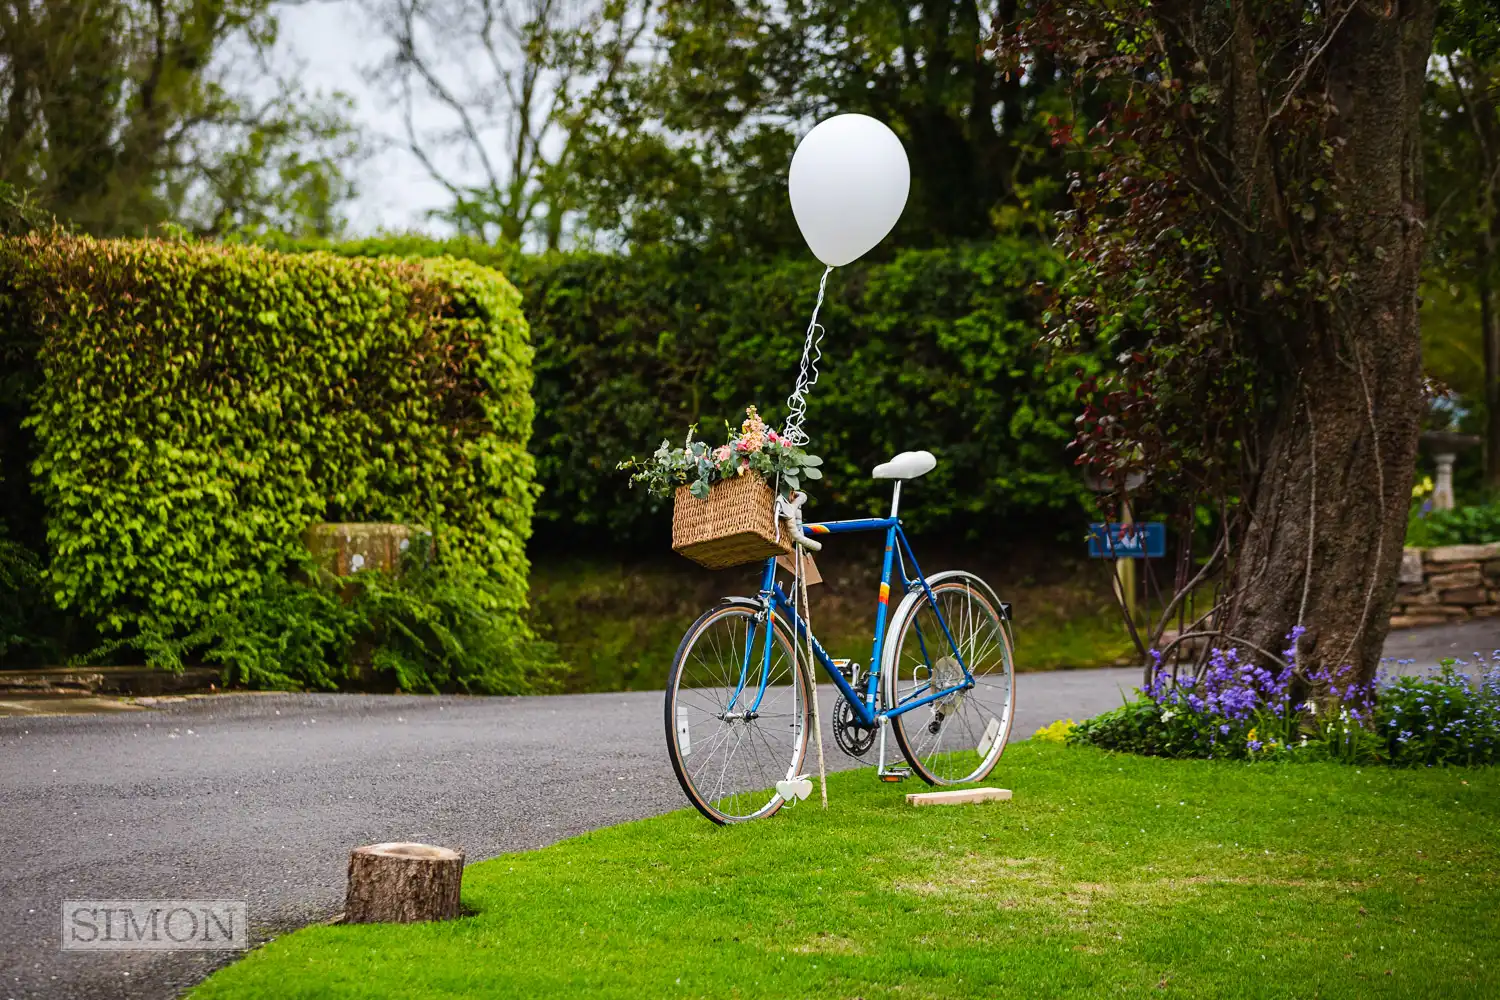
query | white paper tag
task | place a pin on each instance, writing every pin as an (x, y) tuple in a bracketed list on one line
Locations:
[(988, 740), (684, 738)]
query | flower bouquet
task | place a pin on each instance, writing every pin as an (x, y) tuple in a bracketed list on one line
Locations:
[(724, 498)]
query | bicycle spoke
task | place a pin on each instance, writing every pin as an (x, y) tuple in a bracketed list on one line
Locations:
[(731, 750), (964, 716)]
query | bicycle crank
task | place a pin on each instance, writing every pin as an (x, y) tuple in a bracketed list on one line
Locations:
[(853, 738)]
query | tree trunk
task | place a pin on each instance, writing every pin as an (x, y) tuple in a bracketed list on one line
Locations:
[(403, 883), (1329, 506), (1490, 334)]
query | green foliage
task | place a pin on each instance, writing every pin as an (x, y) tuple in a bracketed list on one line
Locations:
[(284, 635), (449, 626), (1453, 718), (502, 257), (20, 213), (1470, 525), (1452, 344), (27, 618), (692, 146), (198, 407), (935, 349), (437, 625), (124, 114)]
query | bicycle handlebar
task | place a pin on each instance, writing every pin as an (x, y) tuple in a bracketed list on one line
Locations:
[(790, 509)]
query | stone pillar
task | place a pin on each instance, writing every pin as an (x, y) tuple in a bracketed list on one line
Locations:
[(1442, 491)]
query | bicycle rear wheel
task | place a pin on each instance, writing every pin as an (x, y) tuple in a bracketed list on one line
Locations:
[(728, 742), (957, 738)]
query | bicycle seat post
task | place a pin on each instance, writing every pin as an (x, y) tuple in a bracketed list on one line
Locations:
[(896, 498)]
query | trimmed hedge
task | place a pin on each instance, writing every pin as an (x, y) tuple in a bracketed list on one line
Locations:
[(195, 407), (936, 349)]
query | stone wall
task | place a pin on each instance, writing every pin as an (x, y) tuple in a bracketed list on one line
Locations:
[(1447, 584)]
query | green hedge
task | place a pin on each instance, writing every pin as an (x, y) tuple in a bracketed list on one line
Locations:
[(195, 407), (936, 349)]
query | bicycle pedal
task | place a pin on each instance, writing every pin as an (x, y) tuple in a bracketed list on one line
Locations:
[(894, 775)]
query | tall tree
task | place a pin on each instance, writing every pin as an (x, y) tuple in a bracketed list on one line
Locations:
[(121, 114), (697, 143), (488, 90), (1250, 237), (1462, 141)]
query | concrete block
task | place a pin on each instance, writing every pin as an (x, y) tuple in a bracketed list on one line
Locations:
[(1411, 566), (1454, 581), (1416, 621), (1462, 553)]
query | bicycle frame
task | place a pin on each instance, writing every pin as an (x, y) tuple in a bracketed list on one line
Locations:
[(865, 706)]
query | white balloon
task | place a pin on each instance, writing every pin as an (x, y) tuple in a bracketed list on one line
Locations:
[(848, 183)]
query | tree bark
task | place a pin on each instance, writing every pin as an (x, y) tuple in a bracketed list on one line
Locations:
[(1490, 334), (1329, 506), (403, 883)]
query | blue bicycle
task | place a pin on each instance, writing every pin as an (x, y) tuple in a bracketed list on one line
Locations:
[(941, 680)]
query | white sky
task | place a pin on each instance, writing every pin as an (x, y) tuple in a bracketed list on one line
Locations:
[(331, 42)]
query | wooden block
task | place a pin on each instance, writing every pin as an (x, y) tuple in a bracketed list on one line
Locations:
[(958, 797)]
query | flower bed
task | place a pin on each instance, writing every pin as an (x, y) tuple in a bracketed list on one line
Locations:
[(1236, 709)]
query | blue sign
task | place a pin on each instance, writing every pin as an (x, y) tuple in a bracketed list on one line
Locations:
[(1142, 540)]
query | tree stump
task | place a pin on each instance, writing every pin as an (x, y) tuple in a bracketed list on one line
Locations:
[(403, 883)]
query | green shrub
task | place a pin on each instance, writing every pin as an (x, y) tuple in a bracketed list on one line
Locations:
[(936, 349), (28, 623), (196, 407), (438, 625), (1452, 718), (1469, 525), (443, 626)]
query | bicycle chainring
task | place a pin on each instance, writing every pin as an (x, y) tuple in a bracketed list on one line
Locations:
[(853, 738)]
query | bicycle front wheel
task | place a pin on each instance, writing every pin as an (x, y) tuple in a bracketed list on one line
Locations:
[(731, 737), (959, 736)]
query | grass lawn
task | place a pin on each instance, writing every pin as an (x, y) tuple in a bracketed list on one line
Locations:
[(1107, 875)]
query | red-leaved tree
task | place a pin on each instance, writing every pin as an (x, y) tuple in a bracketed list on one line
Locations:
[(1247, 234)]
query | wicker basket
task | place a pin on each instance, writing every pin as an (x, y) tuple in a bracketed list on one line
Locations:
[(735, 525)]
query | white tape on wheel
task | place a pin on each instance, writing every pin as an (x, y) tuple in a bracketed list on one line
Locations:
[(987, 742)]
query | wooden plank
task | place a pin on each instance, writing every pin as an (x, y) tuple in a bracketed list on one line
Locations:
[(959, 796)]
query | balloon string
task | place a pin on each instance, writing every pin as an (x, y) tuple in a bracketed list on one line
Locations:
[(807, 377)]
